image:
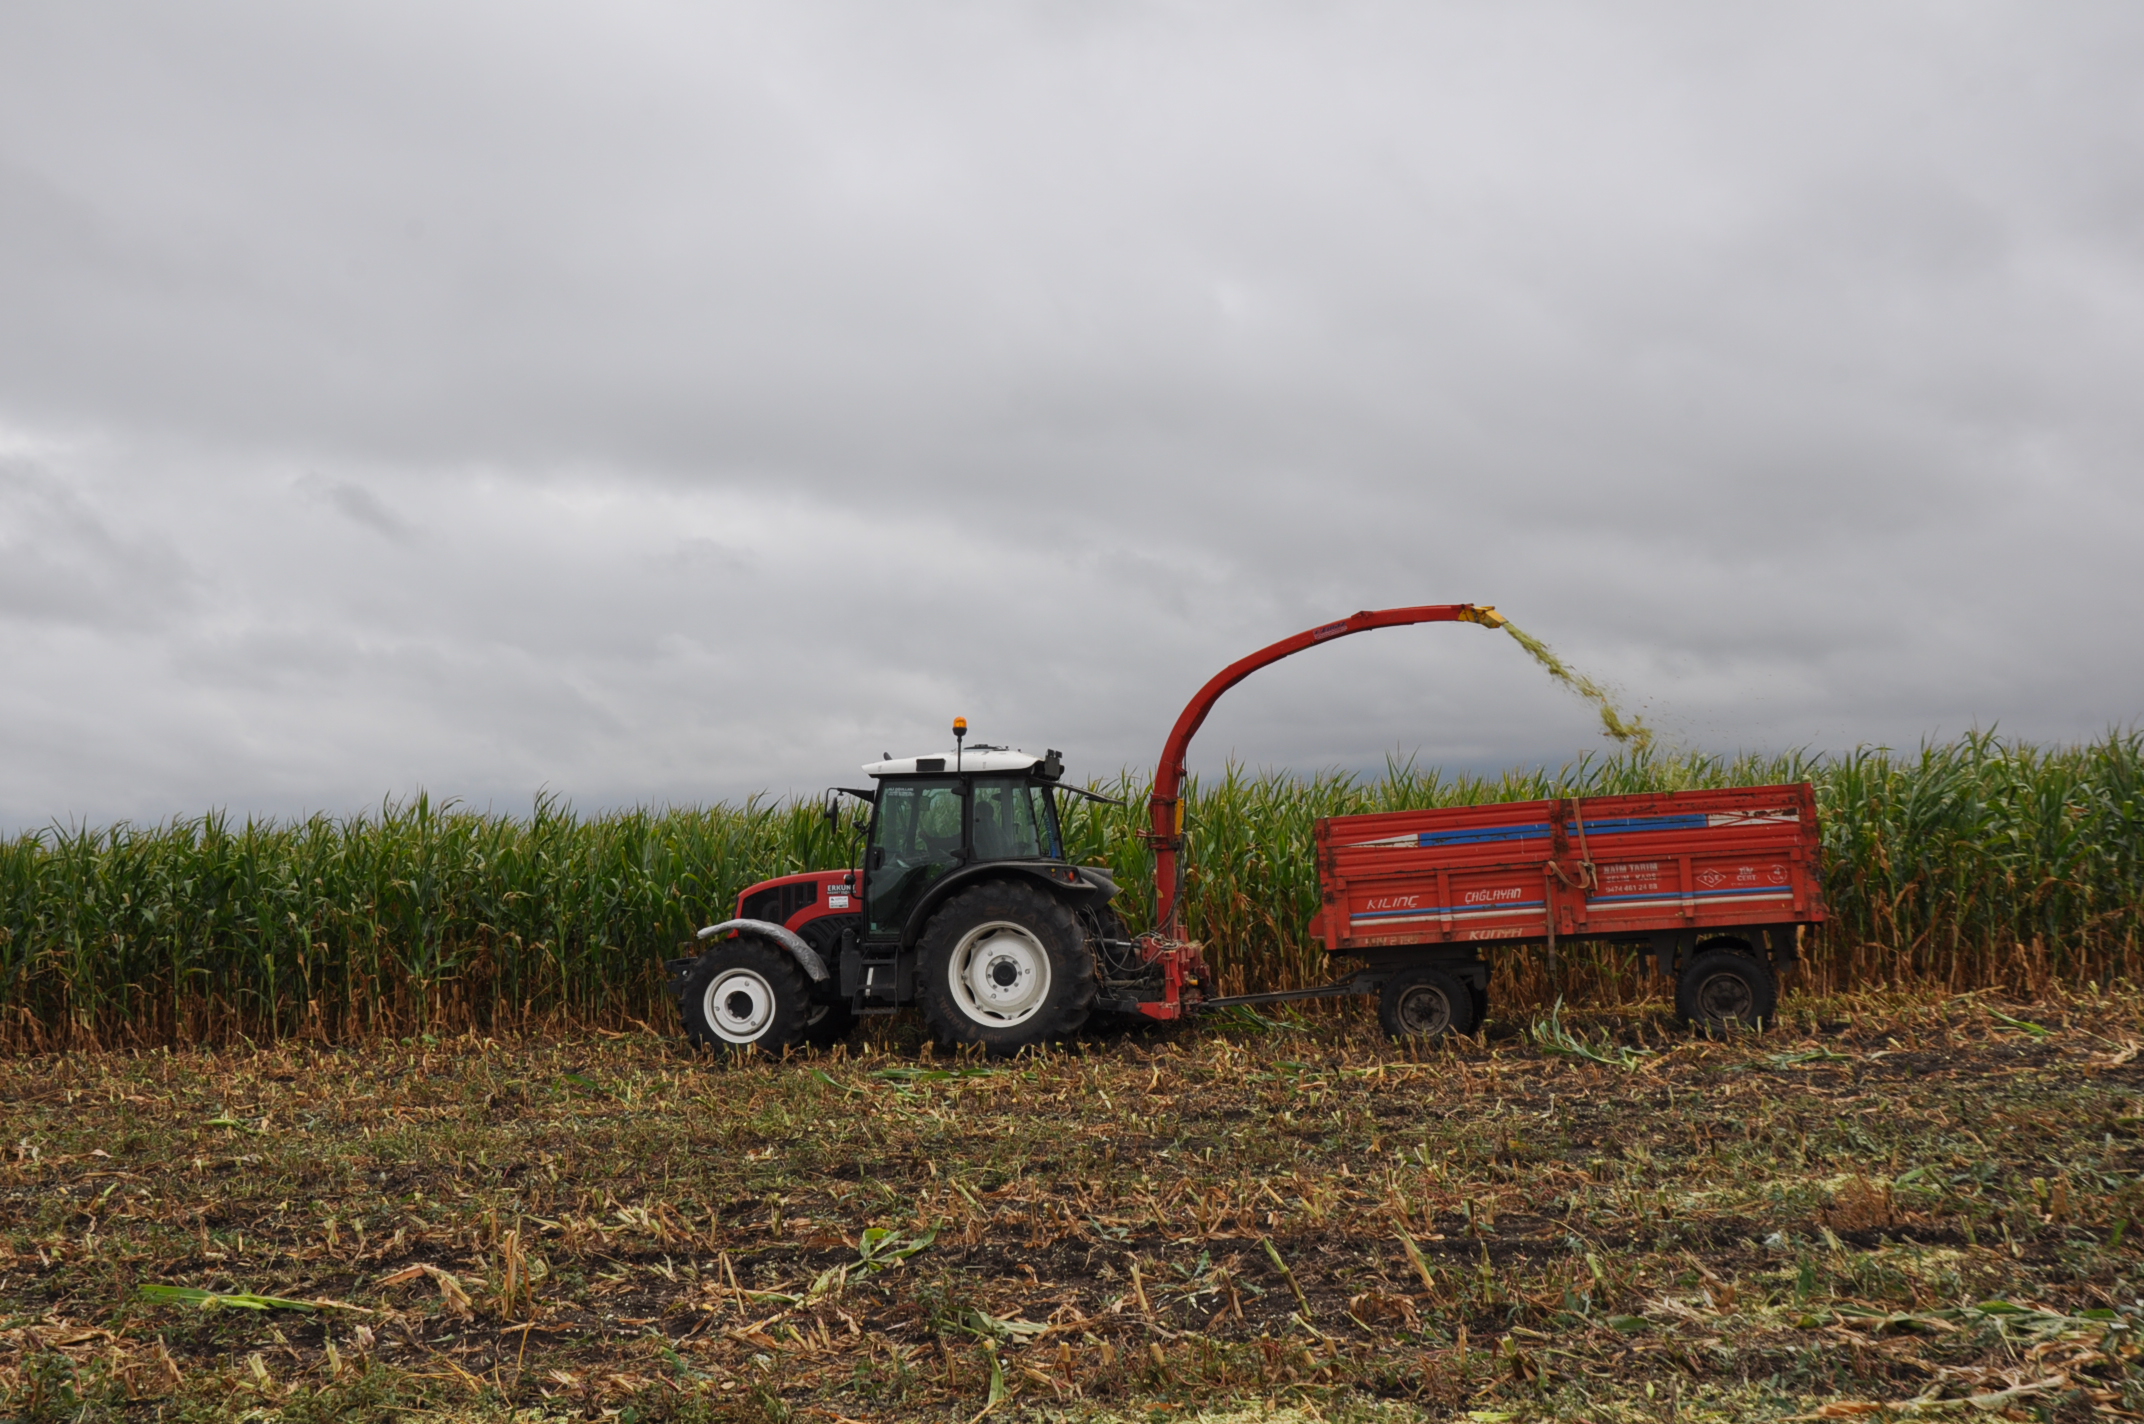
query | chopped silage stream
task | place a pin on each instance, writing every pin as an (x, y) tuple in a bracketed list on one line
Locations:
[(1624, 728), (1919, 1203)]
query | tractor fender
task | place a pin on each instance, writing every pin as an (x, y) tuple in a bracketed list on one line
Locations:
[(1045, 875), (806, 957), (1101, 877)]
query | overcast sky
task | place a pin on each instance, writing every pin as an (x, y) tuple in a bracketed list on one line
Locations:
[(667, 402)]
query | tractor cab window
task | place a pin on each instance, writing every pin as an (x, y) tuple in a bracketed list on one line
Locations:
[(915, 839), (1013, 820)]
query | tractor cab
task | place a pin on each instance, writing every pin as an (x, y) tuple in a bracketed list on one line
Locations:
[(938, 816)]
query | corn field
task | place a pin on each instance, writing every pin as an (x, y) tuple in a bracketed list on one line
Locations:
[(1974, 863)]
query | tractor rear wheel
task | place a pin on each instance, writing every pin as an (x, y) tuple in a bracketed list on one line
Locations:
[(744, 993), (827, 1024), (1425, 1002), (1006, 965), (1105, 926)]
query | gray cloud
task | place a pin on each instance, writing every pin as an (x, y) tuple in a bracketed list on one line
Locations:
[(361, 505), (691, 401), (63, 562)]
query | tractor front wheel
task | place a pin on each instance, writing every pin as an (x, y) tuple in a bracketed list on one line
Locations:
[(1006, 965), (744, 993)]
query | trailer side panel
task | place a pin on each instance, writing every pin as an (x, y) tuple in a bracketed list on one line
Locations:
[(1576, 867)]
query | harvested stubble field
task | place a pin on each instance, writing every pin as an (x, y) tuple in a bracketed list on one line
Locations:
[(1926, 1202)]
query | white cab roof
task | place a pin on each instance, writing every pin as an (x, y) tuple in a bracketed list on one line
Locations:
[(972, 761)]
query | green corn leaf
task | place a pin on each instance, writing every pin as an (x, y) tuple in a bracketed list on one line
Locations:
[(2032, 1028), (997, 1380), (882, 1247), (214, 1300)]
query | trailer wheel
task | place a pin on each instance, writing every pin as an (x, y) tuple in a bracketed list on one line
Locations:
[(1725, 988), (1004, 966), (1425, 1002), (744, 993)]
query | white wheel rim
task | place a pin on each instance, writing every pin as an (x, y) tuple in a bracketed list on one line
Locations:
[(999, 974), (738, 1005)]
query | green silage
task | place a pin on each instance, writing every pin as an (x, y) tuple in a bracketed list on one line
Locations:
[(1625, 728)]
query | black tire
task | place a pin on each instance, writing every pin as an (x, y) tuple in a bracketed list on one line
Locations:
[(1006, 965), (744, 993), (1103, 923), (828, 1020), (1726, 988), (1426, 1002), (827, 1024)]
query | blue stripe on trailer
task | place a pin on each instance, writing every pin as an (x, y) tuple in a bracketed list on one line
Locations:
[(1484, 835), (1625, 825), (1608, 826)]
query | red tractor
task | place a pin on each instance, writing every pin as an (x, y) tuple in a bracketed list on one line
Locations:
[(966, 905)]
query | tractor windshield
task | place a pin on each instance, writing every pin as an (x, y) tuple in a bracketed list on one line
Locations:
[(1013, 820), (916, 839)]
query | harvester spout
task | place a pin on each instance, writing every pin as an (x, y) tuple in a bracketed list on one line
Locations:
[(1166, 810)]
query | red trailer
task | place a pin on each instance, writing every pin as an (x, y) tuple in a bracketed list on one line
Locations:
[(1714, 885)]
